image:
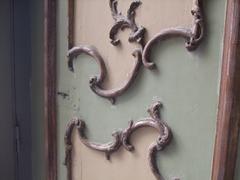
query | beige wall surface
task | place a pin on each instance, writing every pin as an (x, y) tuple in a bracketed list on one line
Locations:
[(186, 83)]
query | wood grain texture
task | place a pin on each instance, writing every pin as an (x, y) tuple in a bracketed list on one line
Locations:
[(50, 88), (70, 24), (226, 142)]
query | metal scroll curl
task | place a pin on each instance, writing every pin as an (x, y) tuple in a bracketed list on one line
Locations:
[(137, 36), (96, 81), (192, 36), (121, 22), (122, 139)]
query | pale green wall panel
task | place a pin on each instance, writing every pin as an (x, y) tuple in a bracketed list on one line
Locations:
[(186, 83)]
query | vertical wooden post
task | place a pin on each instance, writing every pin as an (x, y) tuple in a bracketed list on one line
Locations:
[(226, 143), (50, 88)]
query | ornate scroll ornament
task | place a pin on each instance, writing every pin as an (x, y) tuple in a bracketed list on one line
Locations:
[(122, 22), (192, 36), (122, 138), (137, 35), (96, 81)]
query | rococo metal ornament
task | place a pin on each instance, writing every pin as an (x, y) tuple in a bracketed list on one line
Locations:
[(192, 36), (122, 138)]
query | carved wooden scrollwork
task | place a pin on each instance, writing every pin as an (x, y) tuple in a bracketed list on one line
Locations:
[(192, 36), (122, 138)]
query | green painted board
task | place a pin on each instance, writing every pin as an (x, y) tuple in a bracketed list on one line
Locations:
[(187, 84)]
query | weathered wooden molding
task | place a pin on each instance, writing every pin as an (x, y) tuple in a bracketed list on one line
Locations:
[(228, 120), (50, 115), (122, 138), (192, 37)]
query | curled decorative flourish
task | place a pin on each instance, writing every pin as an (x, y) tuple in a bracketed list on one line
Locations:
[(122, 138), (121, 22), (163, 35), (91, 51), (96, 81), (192, 36)]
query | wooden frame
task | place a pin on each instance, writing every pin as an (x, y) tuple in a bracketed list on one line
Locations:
[(226, 144), (50, 89)]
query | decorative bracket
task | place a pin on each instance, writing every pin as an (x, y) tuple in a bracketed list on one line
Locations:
[(96, 81), (122, 138), (122, 22), (192, 36)]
